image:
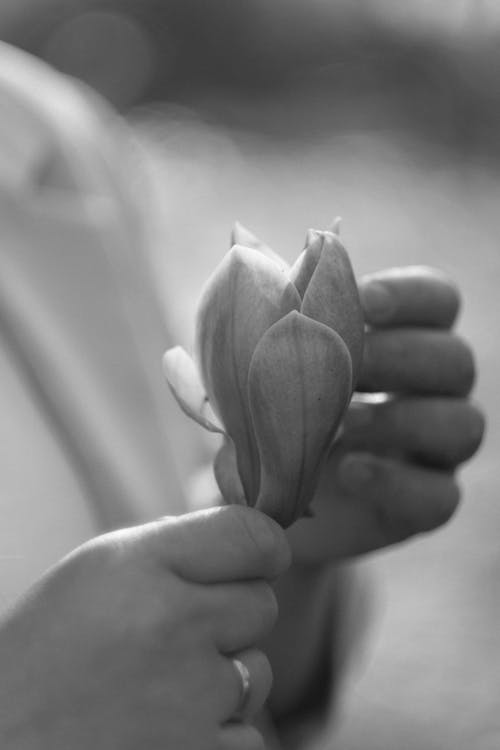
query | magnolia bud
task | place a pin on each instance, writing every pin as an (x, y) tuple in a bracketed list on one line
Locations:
[(277, 354)]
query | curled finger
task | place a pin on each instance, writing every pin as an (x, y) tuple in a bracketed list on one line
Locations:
[(401, 499), (224, 544), (242, 614), (249, 679), (436, 431), (419, 361), (415, 296)]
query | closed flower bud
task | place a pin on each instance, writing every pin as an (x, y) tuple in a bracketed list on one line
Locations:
[(277, 353)]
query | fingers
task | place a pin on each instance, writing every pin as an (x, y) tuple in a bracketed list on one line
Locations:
[(241, 706), (416, 361), (260, 683), (401, 499), (236, 615), (416, 296), (437, 431), (223, 544), (241, 614)]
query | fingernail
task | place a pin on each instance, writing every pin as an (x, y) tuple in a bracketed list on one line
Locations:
[(355, 471), (377, 301)]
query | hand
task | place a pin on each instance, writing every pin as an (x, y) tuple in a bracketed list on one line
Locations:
[(127, 642), (391, 473)]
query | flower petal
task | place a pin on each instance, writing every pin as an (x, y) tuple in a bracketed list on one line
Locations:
[(332, 298), (242, 299), (311, 234), (335, 225), (302, 270), (299, 387), (240, 235), (227, 475), (185, 383)]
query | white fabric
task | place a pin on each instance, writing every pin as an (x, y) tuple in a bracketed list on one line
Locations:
[(87, 425)]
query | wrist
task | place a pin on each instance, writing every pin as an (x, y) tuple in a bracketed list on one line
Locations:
[(307, 598)]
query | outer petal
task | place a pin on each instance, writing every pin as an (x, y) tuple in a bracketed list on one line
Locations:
[(185, 383), (243, 298), (243, 236), (310, 236), (335, 225), (227, 475), (299, 387), (302, 270), (332, 297)]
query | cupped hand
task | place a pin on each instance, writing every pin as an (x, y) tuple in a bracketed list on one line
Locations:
[(391, 473), (129, 641)]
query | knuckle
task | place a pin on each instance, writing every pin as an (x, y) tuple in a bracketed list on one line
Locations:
[(475, 428), (377, 299), (465, 366), (459, 430), (448, 502), (443, 497), (385, 476), (394, 525), (414, 501), (392, 517), (360, 473), (446, 294), (454, 300), (442, 431)]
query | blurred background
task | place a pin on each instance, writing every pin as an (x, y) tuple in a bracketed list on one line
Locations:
[(283, 115)]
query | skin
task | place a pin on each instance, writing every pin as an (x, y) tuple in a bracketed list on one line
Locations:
[(126, 642), (118, 643), (392, 473)]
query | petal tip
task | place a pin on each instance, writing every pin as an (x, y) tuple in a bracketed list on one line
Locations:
[(187, 388)]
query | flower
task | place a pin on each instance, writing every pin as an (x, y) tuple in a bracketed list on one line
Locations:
[(277, 354)]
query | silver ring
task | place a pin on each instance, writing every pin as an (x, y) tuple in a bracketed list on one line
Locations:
[(244, 676)]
